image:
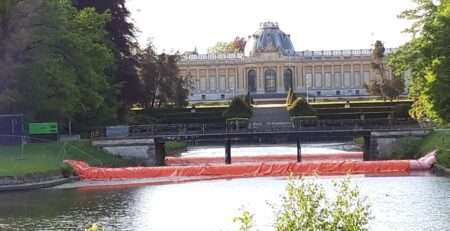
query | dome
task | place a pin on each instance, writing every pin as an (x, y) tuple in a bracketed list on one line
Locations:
[(269, 38)]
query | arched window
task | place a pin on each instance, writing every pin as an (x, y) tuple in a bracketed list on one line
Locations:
[(287, 76), (251, 81), (270, 80)]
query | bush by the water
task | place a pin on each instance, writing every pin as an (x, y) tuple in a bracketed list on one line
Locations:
[(300, 108), (238, 108), (305, 206)]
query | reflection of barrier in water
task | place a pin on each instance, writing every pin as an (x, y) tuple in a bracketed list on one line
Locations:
[(389, 167)]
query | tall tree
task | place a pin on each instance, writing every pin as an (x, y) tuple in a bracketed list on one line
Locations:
[(64, 76), (426, 58), (17, 23), (122, 36), (162, 83)]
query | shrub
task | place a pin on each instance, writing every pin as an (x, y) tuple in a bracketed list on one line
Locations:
[(66, 170), (306, 207), (300, 108), (406, 148), (443, 157), (238, 109)]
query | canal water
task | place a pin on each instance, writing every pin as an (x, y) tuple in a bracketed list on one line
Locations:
[(397, 203)]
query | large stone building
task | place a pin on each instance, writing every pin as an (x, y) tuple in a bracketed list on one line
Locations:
[(269, 66)]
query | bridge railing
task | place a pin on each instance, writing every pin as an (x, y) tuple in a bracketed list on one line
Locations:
[(190, 129)]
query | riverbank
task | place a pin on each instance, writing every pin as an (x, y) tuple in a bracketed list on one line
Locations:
[(26, 163), (437, 140)]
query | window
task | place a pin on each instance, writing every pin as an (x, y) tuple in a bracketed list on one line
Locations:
[(212, 83), (347, 79), (222, 96), (203, 97), (356, 92), (337, 79), (251, 81), (357, 79), (318, 80), (328, 80), (270, 80), (309, 80), (366, 77), (338, 92), (318, 93), (287, 76)]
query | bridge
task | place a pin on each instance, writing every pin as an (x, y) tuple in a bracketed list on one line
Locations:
[(300, 132)]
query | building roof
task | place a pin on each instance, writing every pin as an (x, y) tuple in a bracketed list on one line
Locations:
[(269, 38)]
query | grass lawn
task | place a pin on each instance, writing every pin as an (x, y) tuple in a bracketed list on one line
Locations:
[(47, 158)]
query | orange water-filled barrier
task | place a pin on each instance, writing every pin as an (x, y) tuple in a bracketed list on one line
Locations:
[(196, 160), (389, 167)]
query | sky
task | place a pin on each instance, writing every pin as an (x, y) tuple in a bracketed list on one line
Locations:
[(182, 25)]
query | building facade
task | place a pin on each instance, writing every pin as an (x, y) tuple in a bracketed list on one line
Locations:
[(269, 67)]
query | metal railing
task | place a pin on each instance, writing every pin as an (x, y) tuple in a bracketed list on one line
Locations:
[(191, 129)]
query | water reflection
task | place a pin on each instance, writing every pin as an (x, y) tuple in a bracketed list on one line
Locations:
[(398, 203)]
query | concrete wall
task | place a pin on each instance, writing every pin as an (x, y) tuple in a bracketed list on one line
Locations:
[(142, 151), (383, 144)]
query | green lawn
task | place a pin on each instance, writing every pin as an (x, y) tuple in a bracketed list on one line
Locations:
[(47, 158)]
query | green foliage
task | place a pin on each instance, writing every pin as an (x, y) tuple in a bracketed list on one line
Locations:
[(63, 75), (238, 109), (300, 108), (291, 97), (439, 140), (305, 206), (426, 60), (406, 148), (66, 170), (245, 221)]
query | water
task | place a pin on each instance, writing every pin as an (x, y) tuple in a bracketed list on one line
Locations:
[(397, 203)]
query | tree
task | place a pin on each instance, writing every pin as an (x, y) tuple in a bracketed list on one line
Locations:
[(386, 88), (426, 58), (235, 46), (64, 76), (121, 34), (378, 59), (161, 82), (17, 19)]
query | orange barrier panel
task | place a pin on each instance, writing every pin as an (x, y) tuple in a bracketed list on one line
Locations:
[(245, 170), (195, 160)]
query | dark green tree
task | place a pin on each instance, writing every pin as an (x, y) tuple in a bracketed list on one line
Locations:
[(162, 84)]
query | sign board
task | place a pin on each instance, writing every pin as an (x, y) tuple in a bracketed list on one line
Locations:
[(43, 128)]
